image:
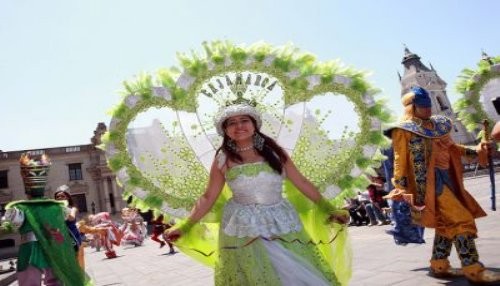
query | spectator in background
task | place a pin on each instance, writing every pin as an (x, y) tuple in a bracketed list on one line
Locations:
[(357, 212), (374, 214), (378, 203)]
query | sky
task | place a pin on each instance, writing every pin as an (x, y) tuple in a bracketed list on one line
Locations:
[(62, 62)]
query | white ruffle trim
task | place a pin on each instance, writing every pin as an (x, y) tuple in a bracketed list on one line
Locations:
[(303, 272), (259, 220)]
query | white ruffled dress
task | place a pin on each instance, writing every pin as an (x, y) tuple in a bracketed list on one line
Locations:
[(261, 239)]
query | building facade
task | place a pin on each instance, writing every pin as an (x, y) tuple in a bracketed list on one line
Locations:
[(83, 168), (417, 74)]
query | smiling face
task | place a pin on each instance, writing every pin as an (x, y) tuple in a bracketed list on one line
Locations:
[(239, 128), (61, 196)]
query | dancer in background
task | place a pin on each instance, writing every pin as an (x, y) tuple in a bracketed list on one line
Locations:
[(159, 227), (133, 228), (109, 235), (427, 167)]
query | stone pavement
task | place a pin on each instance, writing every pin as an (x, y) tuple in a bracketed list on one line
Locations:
[(376, 259)]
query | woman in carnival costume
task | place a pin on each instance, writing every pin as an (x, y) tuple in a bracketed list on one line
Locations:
[(62, 194), (262, 239), (46, 252), (428, 170), (254, 216)]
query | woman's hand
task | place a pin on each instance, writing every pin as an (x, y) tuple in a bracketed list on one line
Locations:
[(172, 235), (340, 217)]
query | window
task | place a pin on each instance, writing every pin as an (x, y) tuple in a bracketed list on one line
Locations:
[(4, 182), (80, 202), (111, 196), (72, 149), (2, 209), (36, 152), (442, 106), (75, 171)]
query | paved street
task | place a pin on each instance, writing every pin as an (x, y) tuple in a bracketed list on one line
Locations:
[(377, 260)]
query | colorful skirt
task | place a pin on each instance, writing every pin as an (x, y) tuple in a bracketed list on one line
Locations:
[(285, 260)]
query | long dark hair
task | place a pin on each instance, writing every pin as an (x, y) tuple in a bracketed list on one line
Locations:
[(271, 151), (67, 195)]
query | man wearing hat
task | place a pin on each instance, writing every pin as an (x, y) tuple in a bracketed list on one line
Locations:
[(427, 168), (46, 247)]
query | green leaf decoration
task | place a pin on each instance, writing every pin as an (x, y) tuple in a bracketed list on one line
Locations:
[(330, 164), (469, 85)]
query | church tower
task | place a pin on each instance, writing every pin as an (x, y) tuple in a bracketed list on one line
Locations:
[(417, 74)]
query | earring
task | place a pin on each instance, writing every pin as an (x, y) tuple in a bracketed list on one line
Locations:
[(258, 141), (231, 145)]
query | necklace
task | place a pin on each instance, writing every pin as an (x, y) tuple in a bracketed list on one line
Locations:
[(423, 122), (417, 121), (250, 147)]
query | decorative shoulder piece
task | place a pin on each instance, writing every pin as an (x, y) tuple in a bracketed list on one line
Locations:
[(442, 126), (14, 216)]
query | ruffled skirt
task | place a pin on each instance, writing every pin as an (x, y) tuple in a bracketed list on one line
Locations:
[(285, 260)]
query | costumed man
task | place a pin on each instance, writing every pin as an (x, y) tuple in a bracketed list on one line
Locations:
[(427, 167), (46, 246)]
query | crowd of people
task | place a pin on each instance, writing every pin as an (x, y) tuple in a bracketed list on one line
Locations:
[(101, 231), (370, 207)]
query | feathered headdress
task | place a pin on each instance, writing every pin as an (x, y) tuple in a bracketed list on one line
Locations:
[(35, 173)]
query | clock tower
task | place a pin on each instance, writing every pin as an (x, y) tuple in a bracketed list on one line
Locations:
[(417, 74)]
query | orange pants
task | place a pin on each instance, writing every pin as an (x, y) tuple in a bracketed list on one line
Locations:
[(452, 217)]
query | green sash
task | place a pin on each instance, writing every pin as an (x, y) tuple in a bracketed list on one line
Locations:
[(46, 219)]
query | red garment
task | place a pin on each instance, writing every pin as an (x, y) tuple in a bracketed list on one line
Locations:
[(376, 196), (159, 226)]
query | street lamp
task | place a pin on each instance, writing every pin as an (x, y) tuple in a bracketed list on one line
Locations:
[(92, 205)]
